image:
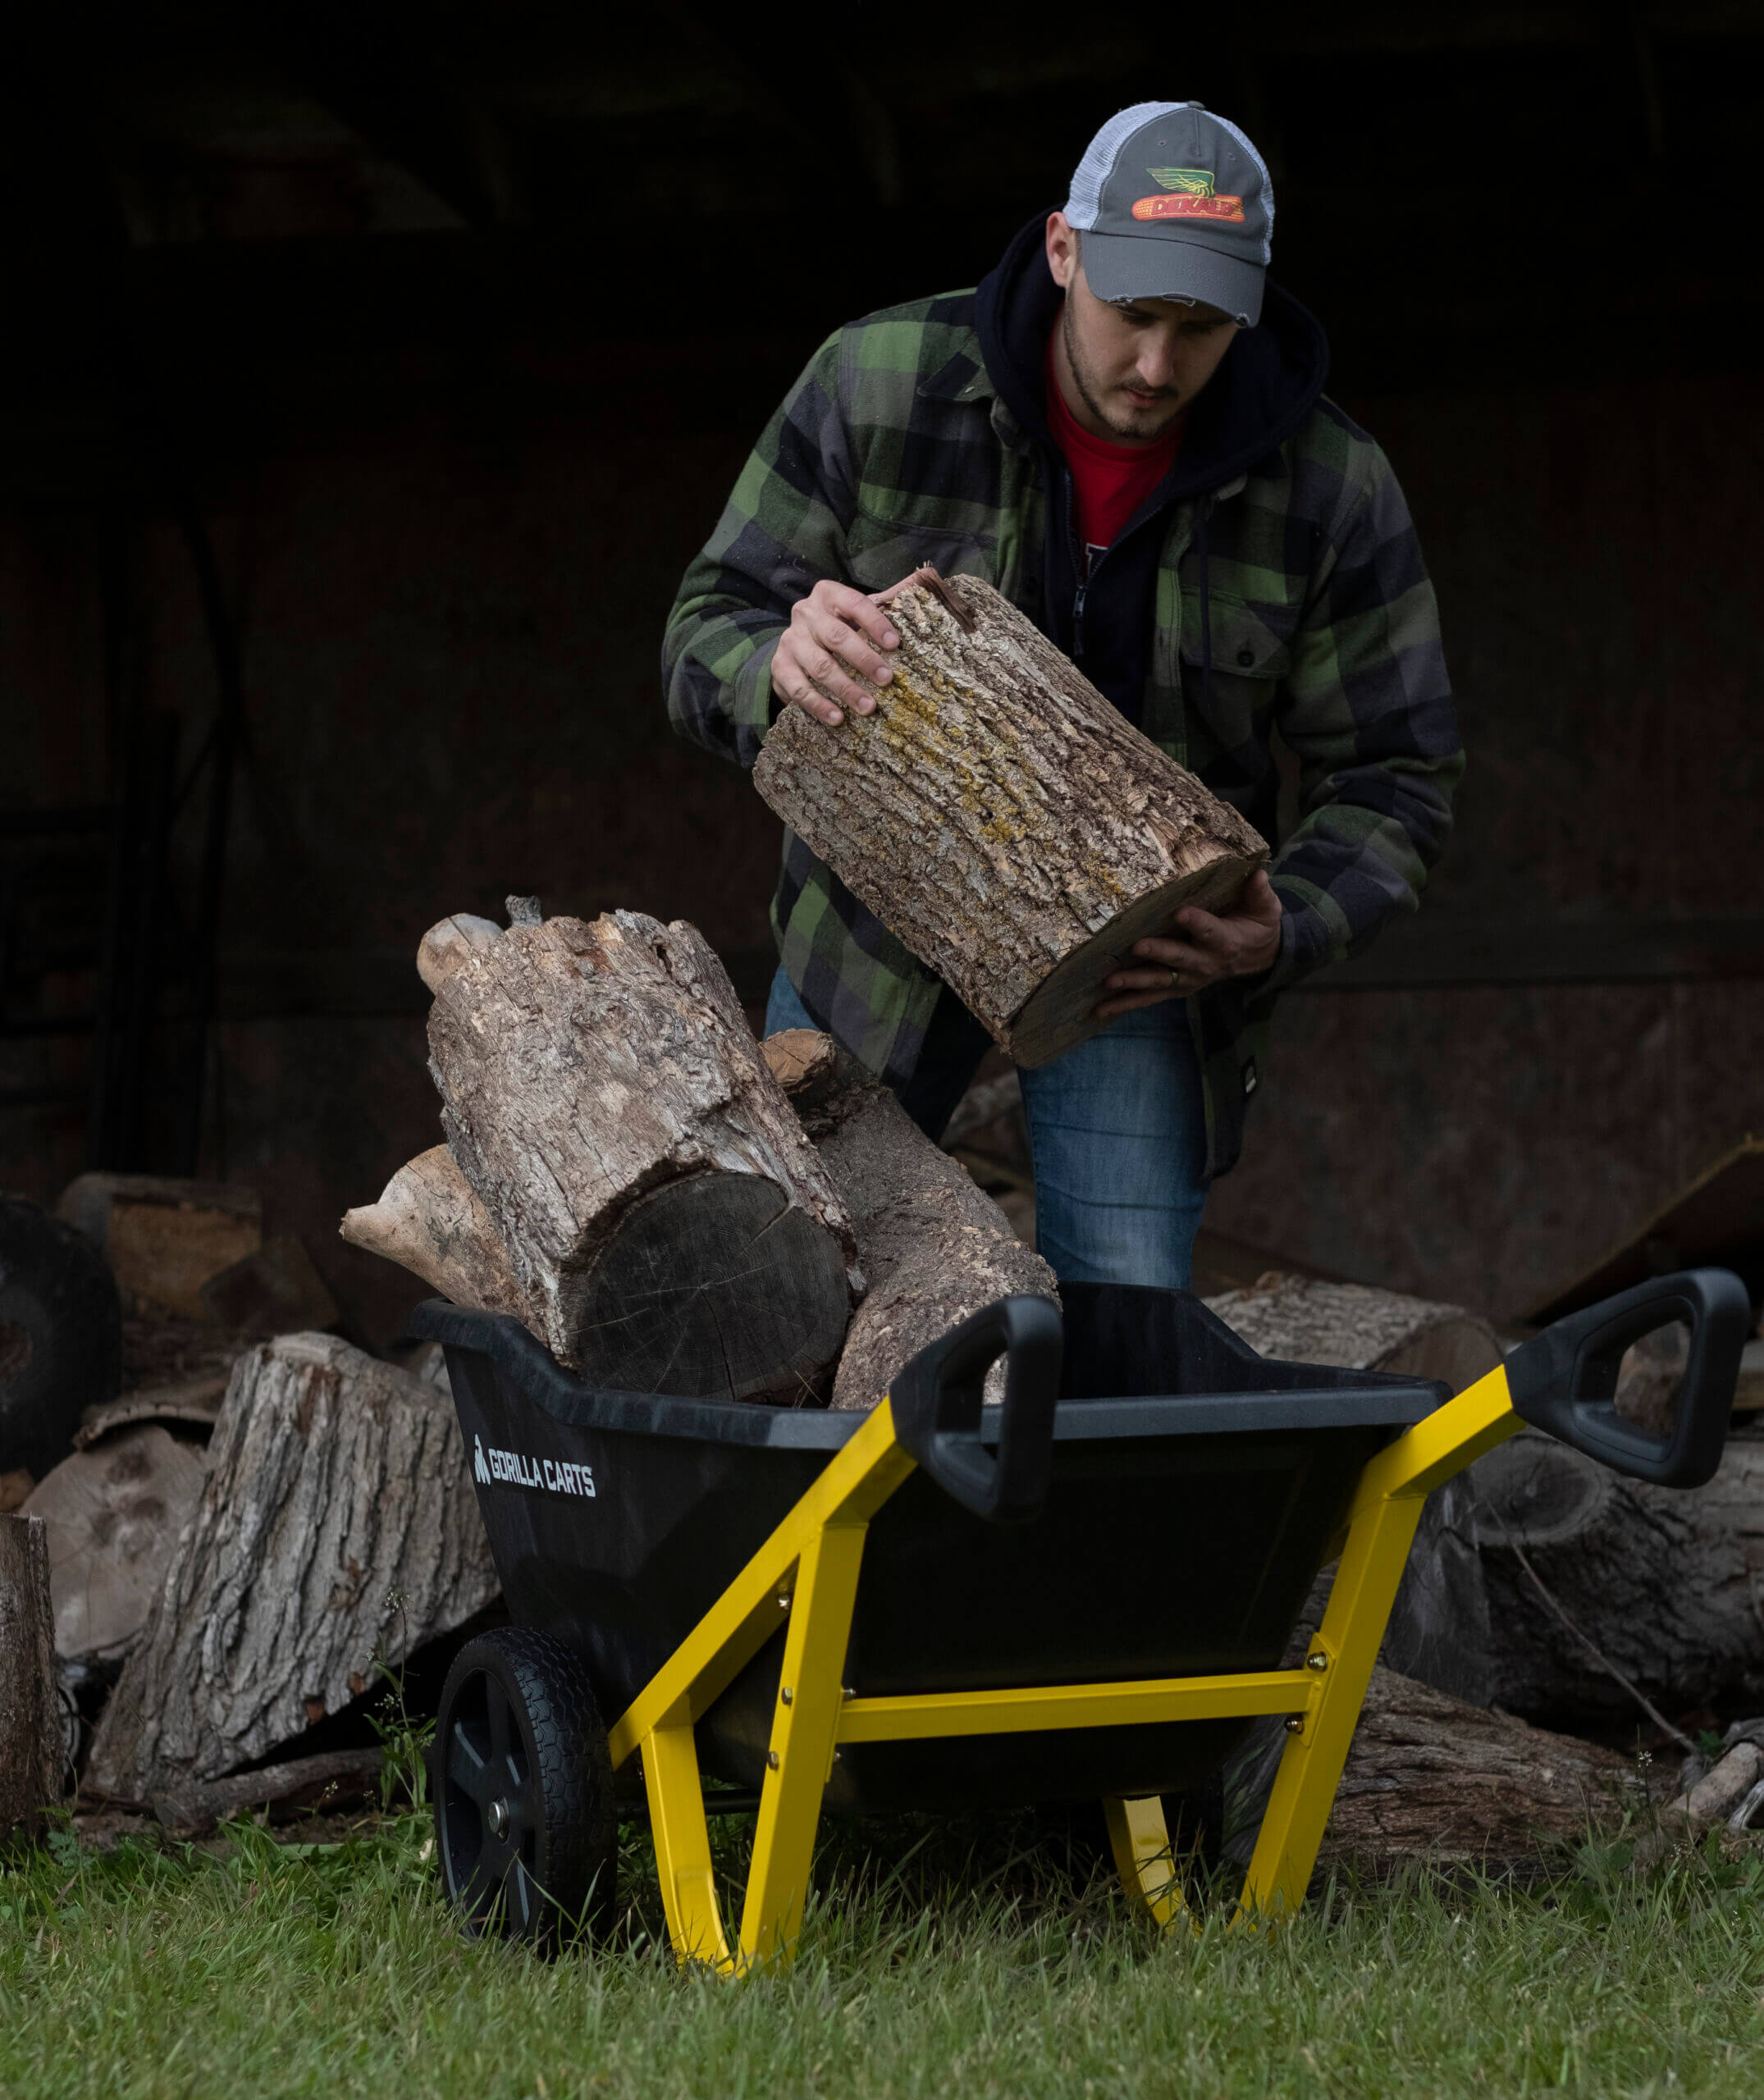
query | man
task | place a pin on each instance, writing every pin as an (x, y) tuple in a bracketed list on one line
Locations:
[(1124, 430)]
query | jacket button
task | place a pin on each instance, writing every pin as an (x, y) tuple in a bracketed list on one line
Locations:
[(1246, 657)]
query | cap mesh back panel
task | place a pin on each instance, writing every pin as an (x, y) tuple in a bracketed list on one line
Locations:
[(1093, 170), (1225, 124)]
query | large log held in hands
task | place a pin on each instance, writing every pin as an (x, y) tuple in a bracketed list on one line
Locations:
[(1001, 817), (665, 1217)]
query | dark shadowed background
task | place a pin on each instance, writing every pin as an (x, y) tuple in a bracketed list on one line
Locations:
[(370, 374)]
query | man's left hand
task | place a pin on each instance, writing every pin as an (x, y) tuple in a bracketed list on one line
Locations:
[(1211, 947)]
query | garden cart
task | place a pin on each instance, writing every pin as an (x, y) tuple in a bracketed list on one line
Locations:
[(1084, 1591)]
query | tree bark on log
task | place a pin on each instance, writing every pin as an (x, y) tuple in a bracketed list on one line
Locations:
[(1667, 1585), (30, 1707), (1439, 1629), (605, 1100), (429, 1220), (329, 1778), (1001, 817), (934, 1248), (1430, 1777), (338, 1520)]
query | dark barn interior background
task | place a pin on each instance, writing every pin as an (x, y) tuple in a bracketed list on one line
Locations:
[(371, 374)]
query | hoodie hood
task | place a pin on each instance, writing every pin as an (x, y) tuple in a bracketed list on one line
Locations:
[(1267, 384)]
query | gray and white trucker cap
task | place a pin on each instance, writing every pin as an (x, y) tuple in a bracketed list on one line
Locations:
[(1174, 202)]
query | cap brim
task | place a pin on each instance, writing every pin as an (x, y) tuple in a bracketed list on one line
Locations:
[(1120, 266)]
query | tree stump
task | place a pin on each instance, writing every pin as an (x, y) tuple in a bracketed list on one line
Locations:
[(338, 1519), (1668, 1585), (659, 1203), (934, 1247), (1001, 817), (30, 1707), (429, 1220)]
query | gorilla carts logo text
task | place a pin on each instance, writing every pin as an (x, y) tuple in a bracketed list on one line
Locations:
[(556, 1476)]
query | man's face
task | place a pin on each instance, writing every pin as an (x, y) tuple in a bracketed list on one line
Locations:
[(1134, 368)]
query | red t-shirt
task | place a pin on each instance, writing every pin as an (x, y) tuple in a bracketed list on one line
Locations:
[(1108, 482)]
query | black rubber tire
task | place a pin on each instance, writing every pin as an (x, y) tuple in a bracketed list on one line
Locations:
[(519, 1732), (60, 1335)]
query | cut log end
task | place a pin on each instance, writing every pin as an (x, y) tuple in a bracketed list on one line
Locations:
[(1061, 1013), (716, 1287), (450, 942), (429, 1220)]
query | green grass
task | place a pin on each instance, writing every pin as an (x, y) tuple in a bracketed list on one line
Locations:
[(947, 1962)]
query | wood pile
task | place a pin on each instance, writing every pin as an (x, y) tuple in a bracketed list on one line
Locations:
[(622, 1171), (669, 1206)]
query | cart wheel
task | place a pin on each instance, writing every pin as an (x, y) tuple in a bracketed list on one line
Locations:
[(523, 1798)]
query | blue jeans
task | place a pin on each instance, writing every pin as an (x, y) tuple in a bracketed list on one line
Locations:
[(1117, 1132)]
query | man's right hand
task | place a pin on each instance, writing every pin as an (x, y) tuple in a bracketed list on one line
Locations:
[(826, 656)]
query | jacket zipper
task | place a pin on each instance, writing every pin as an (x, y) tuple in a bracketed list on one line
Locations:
[(1081, 568)]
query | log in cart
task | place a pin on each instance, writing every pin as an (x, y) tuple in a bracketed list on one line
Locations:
[(1083, 1591)]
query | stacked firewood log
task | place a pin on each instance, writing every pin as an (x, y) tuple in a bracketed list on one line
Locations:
[(627, 1171)]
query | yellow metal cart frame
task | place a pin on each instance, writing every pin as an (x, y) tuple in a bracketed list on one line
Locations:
[(809, 1568), (806, 1577)]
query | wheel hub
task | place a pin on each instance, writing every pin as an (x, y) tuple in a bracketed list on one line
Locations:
[(496, 1815)]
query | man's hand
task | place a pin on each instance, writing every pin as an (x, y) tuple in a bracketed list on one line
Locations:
[(1241, 942), (826, 655)]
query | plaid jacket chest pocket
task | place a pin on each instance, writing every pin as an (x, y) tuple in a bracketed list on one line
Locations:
[(880, 550), (1251, 655)]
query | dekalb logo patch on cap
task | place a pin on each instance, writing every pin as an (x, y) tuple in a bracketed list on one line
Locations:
[(1191, 196)]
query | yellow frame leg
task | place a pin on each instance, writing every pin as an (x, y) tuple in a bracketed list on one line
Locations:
[(1381, 1532), (805, 1729), (1347, 1645), (1144, 1859), (682, 1848), (808, 1567)]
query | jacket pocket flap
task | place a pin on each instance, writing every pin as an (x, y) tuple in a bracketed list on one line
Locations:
[(1249, 641)]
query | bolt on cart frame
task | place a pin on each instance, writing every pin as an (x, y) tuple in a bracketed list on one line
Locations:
[(809, 1569)]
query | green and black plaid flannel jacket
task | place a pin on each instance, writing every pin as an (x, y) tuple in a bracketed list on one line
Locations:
[(893, 448)]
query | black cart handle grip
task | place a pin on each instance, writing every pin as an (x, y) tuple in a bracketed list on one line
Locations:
[(937, 1397), (1564, 1379)]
